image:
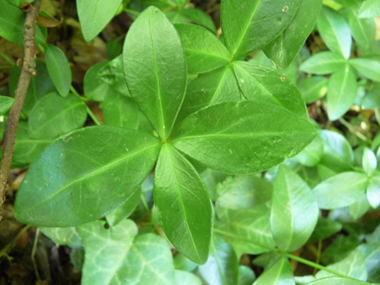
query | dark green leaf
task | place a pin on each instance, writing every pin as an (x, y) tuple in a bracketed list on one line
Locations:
[(370, 68), (313, 88), (241, 137), (325, 62), (199, 17), (95, 88), (6, 103), (71, 182), (187, 222), (369, 9), (279, 273), (203, 50), (154, 67), (324, 229)]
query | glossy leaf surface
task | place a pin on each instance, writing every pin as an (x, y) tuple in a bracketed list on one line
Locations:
[(313, 88), (369, 161), (279, 273)]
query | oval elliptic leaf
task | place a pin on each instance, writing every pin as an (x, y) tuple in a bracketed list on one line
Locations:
[(71, 183), (155, 70), (95, 15), (6, 103), (341, 190), (54, 116), (312, 154), (279, 273), (199, 17), (291, 195), (283, 50), (370, 68), (325, 62), (313, 88), (203, 50), (335, 31), (241, 137), (369, 161), (373, 191), (249, 25), (96, 89), (59, 69), (187, 221)]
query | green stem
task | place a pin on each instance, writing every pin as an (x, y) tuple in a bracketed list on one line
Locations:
[(7, 59), (131, 12), (89, 112), (353, 130), (8, 247)]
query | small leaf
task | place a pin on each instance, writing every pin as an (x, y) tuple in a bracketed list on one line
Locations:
[(370, 68), (96, 89), (187, 222), (199, 17), (279, 273), (325, 62), (341, 190), (59, 69), (6, 103), (312, 154), (313, 88), (44, 19), (112, 74), (373, 191), (369, 9), (246, 275), (372, 98), (369, 161), (95, 15), (155, 70)]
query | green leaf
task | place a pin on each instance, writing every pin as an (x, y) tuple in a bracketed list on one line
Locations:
[(59, 69), (187, 222), (363, 30), (283, 50), (246, 275), (341, 190), (369, 9), (183, 277), (360, 207), (250, 25), (370, 68), (324, 229), (54, 116), (199, 17), (62, 236), (292, 196), (112, 74), (325, 62), (96, 89), (279, 273), (222, 266), (353, 266), (335, 31), (204, 52), (337, 281), (372, 99), (341, 93), (313, 88), (373, 191), (120, 111), (371, 253), (241, 137), (70, 183), (312, 154), (369, 161), (95, 15), (262, 84), (183, 263), (6, 103), (155, 70), (211, 179)]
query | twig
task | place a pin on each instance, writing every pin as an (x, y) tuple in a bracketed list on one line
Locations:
[(28, 70)]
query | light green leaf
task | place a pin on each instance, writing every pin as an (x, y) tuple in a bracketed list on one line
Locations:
[(211, 179), (183, 263), (363, 30), (341, 93), (71, 183), (373, 191), (337, 281), (199, 17), (353, 266), (262, 84), (203, 50), (283, 50), (96, 89), (120, 111), (6, 103), (183, 277), (292, 196), (54, 116), (372, 99), (369, 9), (95, 15), (59, 69), (360, 207), (250, 25), (324, 229), (112, 74), (62, 236), (369, 161), (341, 190), (155, 70), (312, 154), (222, 266), (245, 139), (187, 222), (313, 88), (279, 273), (325, 62), (246, 275), (370, 68), (335, 31)]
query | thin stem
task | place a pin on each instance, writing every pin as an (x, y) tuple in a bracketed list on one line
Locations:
[(89, 112), (72, 89), (7, 59), (352, 130), (8, 247), (131, 12), (34, 254)]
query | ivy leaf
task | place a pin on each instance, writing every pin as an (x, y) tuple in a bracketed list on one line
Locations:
[(279, 273), (203, 50), (250, 25), (241, 138), (95, 15), (369, 9), (283, 50), (373, 191), (313, 88), (222, 266), (325, 62), (155, 70), (70, 183), (59, 69), (335, 31), (292, 196), (368, 67), (187, 222), (341, 190)]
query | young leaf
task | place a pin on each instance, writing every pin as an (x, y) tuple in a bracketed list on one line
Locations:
[(279, 273), (59, 69), (155, 70), (6, 103), (187, 222), (286, 46), (341, 190), (94, 16), (369, 161), (363, 30), (250, 25), (70, 183), (222, 266), (313, 88), (369, 9), (203, 50), (325, 62), (241, 137), (373, 191), (96, 89), (312, 154), (341, 93), (370, 68), (199, 17), (111, 73), (335, 31), (54, 116)]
